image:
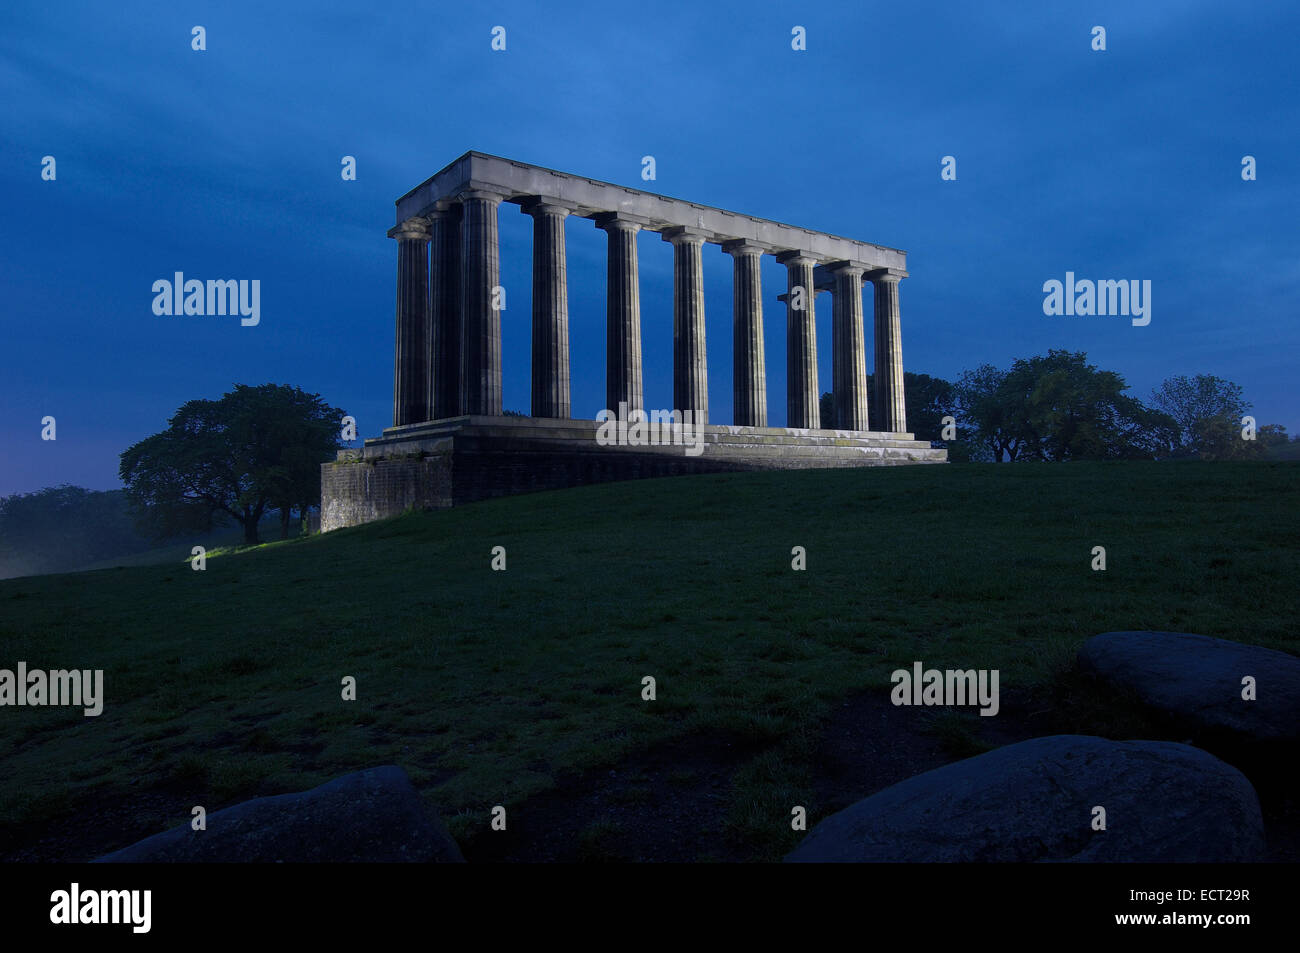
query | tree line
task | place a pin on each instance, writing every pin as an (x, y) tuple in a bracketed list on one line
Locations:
[(1060, 407), (60, 528), (257, 451)]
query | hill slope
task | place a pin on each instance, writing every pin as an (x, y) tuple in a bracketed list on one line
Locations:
[(495, 687)]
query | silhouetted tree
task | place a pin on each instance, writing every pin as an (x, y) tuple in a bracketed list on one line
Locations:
[(1208, 411), (826, 411), (1059, 407), (985, 428), (256, 447), (926, 400)]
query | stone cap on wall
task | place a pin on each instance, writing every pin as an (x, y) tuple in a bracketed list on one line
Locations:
[(518, 182)]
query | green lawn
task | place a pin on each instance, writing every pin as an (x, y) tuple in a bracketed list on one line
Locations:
[(485, 686), (222, 537)]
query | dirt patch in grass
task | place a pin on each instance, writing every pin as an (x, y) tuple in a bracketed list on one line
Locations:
[(668, 803)]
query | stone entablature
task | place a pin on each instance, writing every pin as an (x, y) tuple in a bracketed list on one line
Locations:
[(588, 198)]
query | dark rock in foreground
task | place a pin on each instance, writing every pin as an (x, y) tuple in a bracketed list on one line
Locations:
[(1198, 680), (368, 816), (1034, 801)]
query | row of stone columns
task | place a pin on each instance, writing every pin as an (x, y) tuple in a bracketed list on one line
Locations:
[(448, 352)]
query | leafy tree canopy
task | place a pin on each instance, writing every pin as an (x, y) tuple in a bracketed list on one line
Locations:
[(1059, 407), (254, 448), (1208, 411)]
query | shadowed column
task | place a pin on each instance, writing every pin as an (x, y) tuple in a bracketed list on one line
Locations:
[(444, 295), (411, 351), (690, 367), (891, 406), (848, 348), (803, 407), (622, 314), (550, 311), (481, 322), (749, 373)]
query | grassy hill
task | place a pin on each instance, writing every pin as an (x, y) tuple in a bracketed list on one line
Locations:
[(225, 537), (523, 688), (72, 529)]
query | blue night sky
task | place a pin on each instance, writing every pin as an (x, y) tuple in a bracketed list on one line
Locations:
[(225, 164)]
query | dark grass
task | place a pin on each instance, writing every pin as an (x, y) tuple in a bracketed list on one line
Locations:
[(488, 686)]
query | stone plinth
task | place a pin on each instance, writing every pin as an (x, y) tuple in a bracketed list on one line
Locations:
[(465, 459)]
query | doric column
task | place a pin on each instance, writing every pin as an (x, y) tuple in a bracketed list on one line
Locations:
[(803, 403), (481, 322), (444, 295), (411, 349), (891, 409), (550, 310), (690, 366), (848, 348), (749, 374), (622, 314)]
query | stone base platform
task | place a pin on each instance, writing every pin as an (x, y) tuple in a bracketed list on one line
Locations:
[(459, 460)]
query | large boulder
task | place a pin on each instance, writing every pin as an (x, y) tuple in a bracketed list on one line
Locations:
[(1034, 801), (369, 816), (1198, 680)]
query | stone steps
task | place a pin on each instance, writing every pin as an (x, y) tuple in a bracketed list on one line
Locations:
[(584, 431)]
